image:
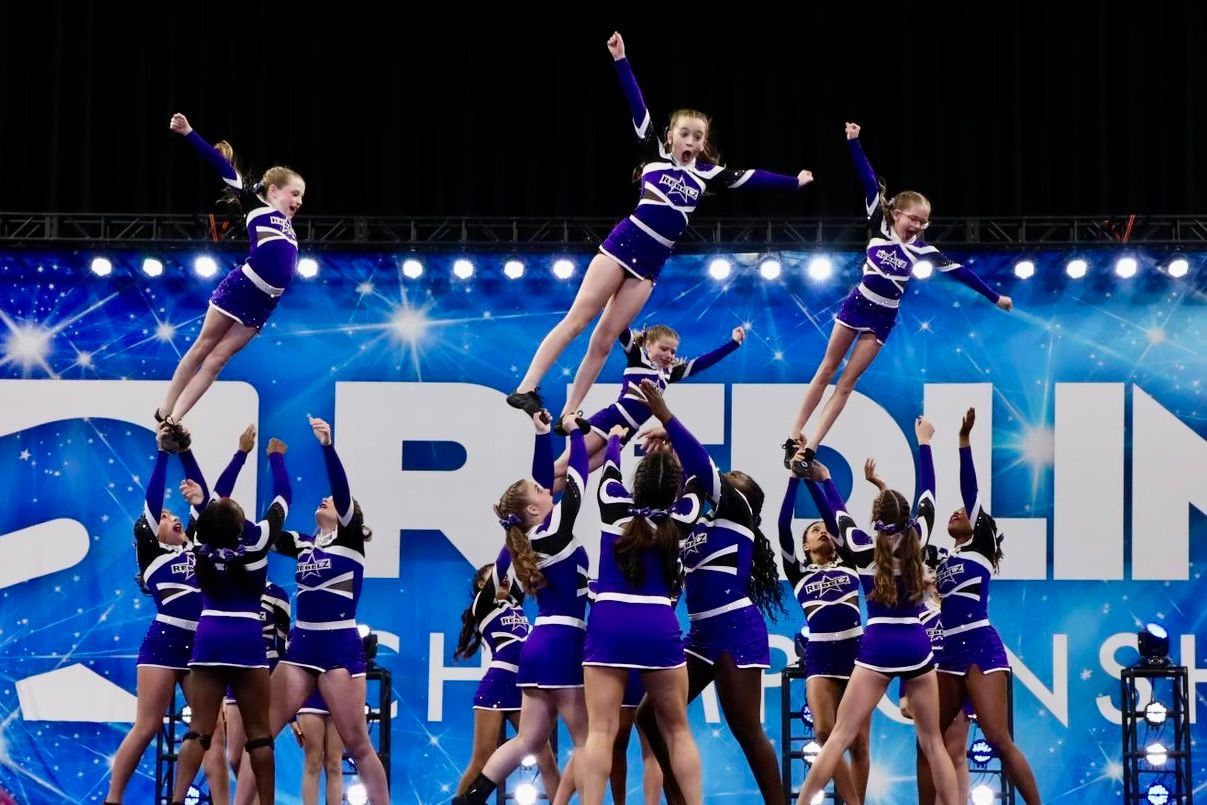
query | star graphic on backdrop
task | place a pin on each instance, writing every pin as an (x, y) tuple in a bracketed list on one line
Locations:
[(24, 455)]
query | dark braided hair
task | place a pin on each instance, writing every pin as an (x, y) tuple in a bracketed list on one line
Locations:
[(765, 589), (470, 639), (655, 485)]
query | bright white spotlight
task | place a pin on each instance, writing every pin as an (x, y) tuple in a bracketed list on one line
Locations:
[(412, 269), (819, 798), (308, 267), (982, 795), (362, 629), (357, 794), (820, 268), (513, 269), (1157, 794), (407, 326), (1125, 267), (463, 269), (1179, 267), (1156, 754), (525, 794), (563, 269), (810, 751), (770, 268), (1155, 713), (205, 266), (528, 761), (1076, 268), (923, 269), (720, 268), (186, 714), (101, 266), (152, 267), (1024, 269)]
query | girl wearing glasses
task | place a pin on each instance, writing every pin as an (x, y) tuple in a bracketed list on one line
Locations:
[(867, 316)]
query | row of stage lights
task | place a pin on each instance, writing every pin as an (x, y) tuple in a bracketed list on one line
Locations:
[(819, 269)]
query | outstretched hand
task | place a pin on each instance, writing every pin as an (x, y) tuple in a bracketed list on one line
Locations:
[(179, 124), (966, 426), (852, 130), (322, 431), (616, 45), (656, 402)]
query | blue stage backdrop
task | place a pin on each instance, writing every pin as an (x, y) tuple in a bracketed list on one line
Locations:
[(1090, 432)]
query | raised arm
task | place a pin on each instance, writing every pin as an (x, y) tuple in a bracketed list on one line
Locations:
[(968, 484), (180, 125), (686, 369), (863, 168), (792, 564), (247, 442), (153, 498), (638, 113), (924, 506), (542, 450)]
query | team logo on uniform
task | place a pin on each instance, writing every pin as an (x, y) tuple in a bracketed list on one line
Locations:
[(948, 572), (312, 566), (676, 186), (826, 584), (693, 542), (890, 259), (186, 566)]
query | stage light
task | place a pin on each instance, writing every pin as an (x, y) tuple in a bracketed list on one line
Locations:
[(820, 268), (101, 266), (770, 268), (513, 269), (528, 761), (1125, 267), (720, 268), (563, 269), (357, 794), (412, 269), (186, 714), (1153, 643), (525, 794), (1076, 268), (1155, 713), (981, 752), (806, 715), (982, 795), (819, 798), (205, 266), (362, 629), (152, 267), (1157, 794), (1156, 754), (810, 751), (1024, 269), (1179, 267), (308, 267), (923, 269), (192, 796), (463, 269)]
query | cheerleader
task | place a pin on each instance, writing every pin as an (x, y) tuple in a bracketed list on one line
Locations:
[(974, 665), (496, 616), (232, 568), (167, 572), (247, 296), (550, 563), (827, 588), (867, 316), (682, 168), (895, 643), (633, 623), (650, 354)]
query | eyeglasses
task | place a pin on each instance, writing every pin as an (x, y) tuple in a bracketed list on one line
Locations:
[(921, 223)]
